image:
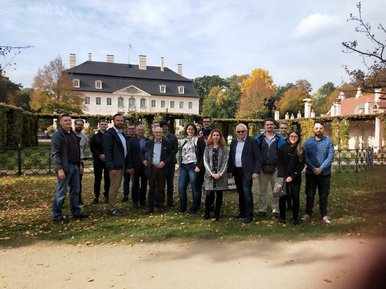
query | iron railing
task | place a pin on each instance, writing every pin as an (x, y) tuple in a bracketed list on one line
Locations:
[(37, 160)]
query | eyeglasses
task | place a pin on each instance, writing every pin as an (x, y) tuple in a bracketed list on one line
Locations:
[(240, 131), (294, 136)]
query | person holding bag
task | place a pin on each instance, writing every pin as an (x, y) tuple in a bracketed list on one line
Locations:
[(290, 167), (216, 164)]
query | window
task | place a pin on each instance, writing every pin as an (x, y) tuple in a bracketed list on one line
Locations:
[(98, 101), (108, 101), (190, 105), (76, 83), (87, 100), (162, 88), (163, 103), (181, 104), (181, 90), (132, 102), (142, 103), (172, 104), (98, 84), (153, 103), (120, 101)]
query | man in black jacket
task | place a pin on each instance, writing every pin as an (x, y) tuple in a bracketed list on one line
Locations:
[(98, 156), (157, 155), (244, 165), (116, 155)]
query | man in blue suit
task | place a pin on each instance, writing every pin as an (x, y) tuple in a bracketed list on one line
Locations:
[(116, 156), (244, 165)]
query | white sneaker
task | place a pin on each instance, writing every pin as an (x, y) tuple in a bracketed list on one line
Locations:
[(306, 217), (326, 220)]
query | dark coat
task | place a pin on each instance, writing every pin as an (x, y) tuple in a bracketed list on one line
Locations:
[(59, 148), (135, 155), (249, 158), (114, 151), (166, 155), (289, 163), (96, 147), (199, 149), (174, 146)]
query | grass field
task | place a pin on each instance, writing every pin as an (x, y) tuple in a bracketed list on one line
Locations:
[(357, 206)]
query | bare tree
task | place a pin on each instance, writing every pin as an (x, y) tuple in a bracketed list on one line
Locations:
[(374, 59), (8, 53)]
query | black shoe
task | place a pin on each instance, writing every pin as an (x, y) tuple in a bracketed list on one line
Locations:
[(192, 212), (275, 215), (217, 218), (206, 217), (81, 216), (125, 199), (60, 220), (239, 216), (261, 214), (95, 201), (282, 221), (135, 205), (248, 220), (149, 211), (170, 205), (116, 213), (296, 222), (106, 199)]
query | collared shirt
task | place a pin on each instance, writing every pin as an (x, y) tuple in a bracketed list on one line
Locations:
[(123, 140), (157, 153), (239, 152)]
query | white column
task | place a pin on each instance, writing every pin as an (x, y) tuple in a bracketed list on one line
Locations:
[(277, 115), (378, 134), (307, 107)]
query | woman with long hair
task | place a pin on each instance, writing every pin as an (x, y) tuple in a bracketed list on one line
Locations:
[(291, 164), (191, 163), (216, 163)]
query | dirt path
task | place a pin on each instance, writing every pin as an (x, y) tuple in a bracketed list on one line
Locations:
[(204, 264)]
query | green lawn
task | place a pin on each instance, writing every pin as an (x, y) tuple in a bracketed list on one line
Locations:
[(357, 206)]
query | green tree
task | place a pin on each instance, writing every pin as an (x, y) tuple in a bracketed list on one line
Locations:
[(205, 83), (319, 98), (53, 90), (8, 90)]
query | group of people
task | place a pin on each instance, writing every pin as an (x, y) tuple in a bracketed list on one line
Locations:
[(205, 162)]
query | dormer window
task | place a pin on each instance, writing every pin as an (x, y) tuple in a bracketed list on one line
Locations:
[(181, 89), (162, 88), (76, 83), (98, 84)]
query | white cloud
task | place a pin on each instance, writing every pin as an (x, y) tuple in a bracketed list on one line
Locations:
[(316, 25)]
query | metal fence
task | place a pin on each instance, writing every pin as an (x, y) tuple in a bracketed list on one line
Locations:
[(37, 160)]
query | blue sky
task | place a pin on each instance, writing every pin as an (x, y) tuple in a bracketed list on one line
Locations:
[(299, 39)]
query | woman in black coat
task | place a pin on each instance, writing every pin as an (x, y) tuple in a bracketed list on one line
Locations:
[(291, 164)]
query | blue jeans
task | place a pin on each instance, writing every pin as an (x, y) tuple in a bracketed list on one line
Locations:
[(188, 175), (72, 182)]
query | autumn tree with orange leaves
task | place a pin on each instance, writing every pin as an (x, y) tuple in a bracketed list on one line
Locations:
[(53, 90), (254, 89)]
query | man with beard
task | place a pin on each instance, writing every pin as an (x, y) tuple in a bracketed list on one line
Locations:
[(116, 155), (318, 156)]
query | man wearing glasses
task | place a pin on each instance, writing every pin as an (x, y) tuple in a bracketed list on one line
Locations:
[(244, 165)]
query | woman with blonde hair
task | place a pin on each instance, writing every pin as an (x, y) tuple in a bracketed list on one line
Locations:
[(215, 180)]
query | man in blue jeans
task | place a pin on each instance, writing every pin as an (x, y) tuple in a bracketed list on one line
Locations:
[(66, 156), (318, 156)]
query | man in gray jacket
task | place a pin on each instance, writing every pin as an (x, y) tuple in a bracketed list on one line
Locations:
[(66, 157)]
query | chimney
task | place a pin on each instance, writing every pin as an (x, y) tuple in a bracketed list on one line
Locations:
[(110, 58), (72, 60), (89, 56), (142, 62), (377, 94), (342, 96), (359, 93), (162, 64), (179, 69), (367, 107)]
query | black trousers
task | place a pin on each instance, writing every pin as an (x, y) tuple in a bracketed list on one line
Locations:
[(209, 201), (293, 188), (244, 188), (322, 183), (139, 188), (99, 171)]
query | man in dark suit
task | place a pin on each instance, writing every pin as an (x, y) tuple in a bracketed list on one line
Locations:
[(136, 167), (116, 155), (244, 165), (98, 156), (158, 154)]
